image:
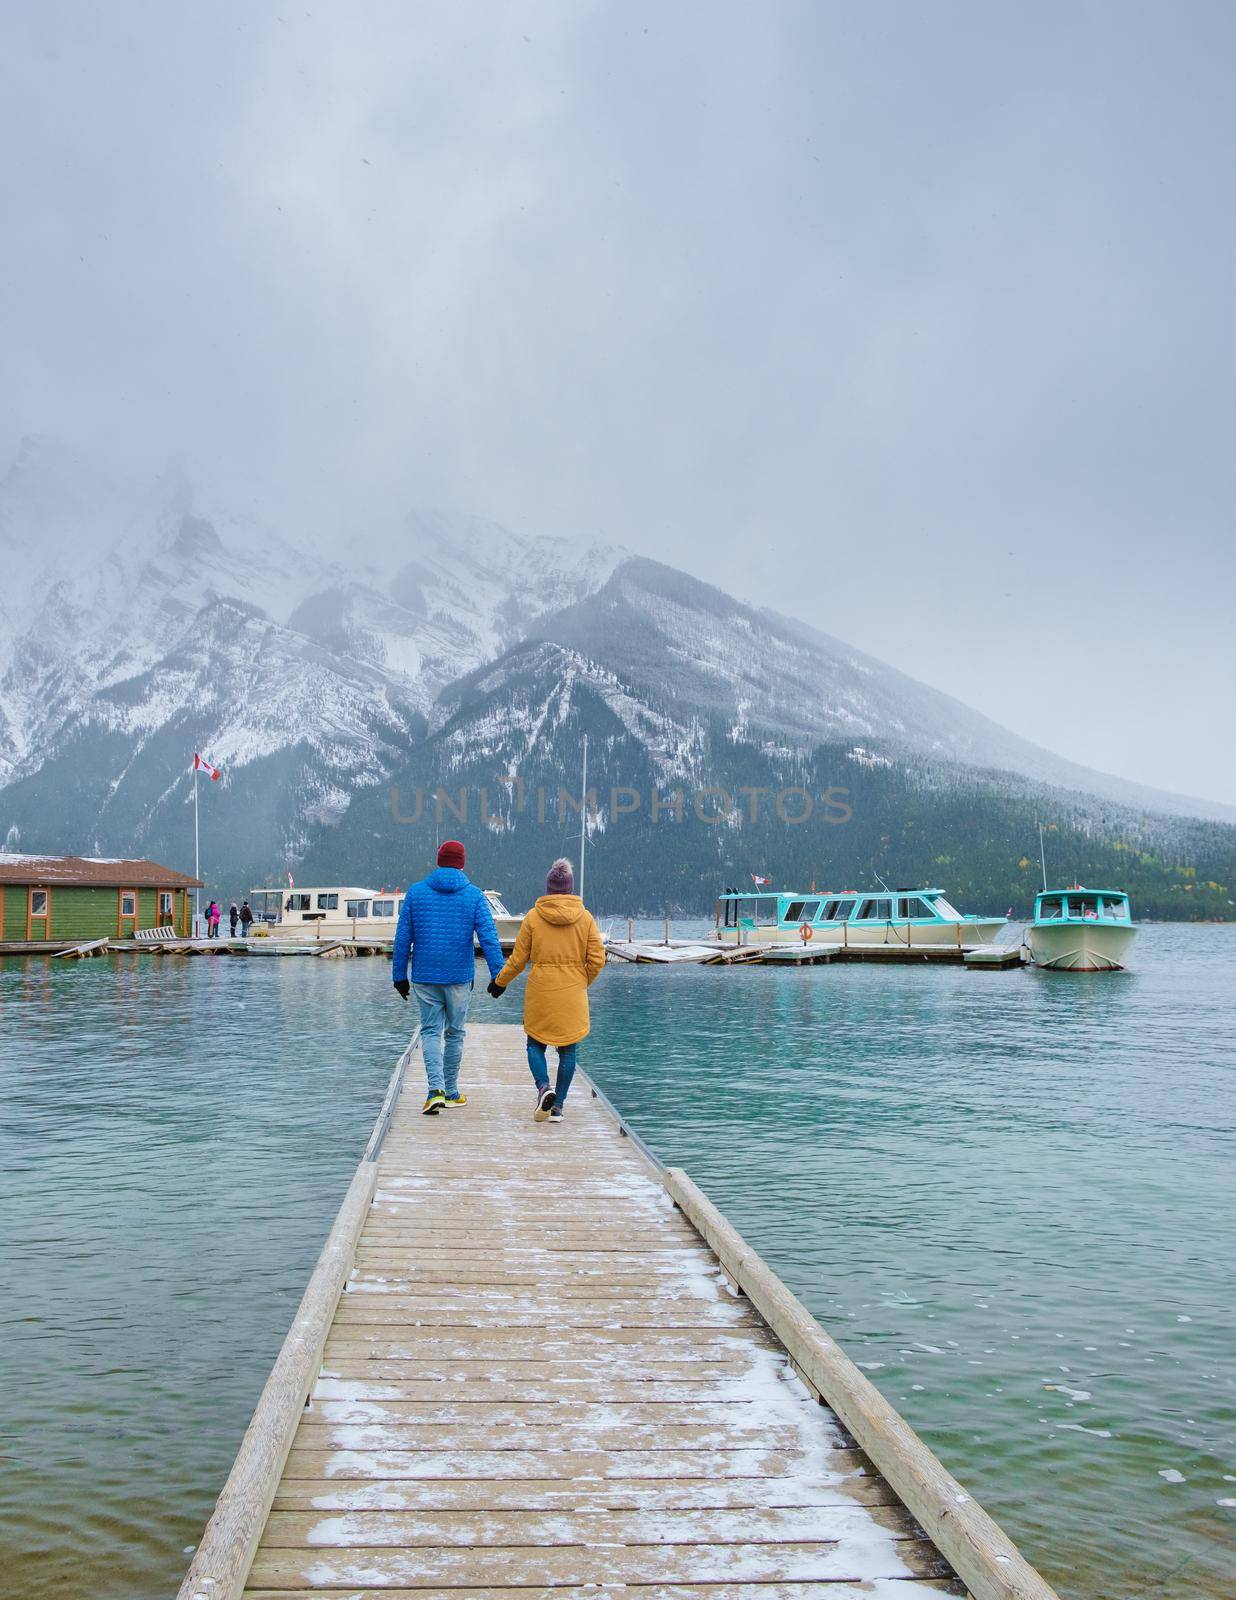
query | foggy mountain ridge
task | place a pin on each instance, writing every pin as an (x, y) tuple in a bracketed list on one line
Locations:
[(464, 648)]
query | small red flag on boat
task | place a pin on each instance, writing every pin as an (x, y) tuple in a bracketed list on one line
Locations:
[(200, 764), (758, 881)]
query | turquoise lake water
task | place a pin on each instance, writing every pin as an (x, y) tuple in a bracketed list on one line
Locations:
[(1010, 1196)]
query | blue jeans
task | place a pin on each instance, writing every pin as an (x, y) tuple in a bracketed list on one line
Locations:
[(444, 1010), (540, 1069)]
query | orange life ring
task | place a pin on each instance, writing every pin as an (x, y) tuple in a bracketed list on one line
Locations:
[(806, 932)]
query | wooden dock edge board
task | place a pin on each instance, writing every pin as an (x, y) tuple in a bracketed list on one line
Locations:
[(981, 1554), (221, 1563)]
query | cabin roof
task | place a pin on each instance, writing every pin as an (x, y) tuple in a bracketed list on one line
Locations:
[(1084, 888), (101, 872)]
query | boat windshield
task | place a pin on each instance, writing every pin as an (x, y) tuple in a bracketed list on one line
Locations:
[(495, 903), (945, 909), (1084, 906), (1115, 908), (1050, 908)]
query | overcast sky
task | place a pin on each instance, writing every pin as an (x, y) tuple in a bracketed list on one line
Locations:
[(913, 320)]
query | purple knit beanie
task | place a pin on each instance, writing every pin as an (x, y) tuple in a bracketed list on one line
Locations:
[(561, 878)]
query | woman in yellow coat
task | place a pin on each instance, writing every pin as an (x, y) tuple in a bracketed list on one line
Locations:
[(560, 940)]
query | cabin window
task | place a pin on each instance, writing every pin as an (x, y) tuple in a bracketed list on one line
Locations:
[(1116, 910), (298, 902), (128, 902), (495, 904), (794, 910), (876, 910), (836, 910), (1051, 908), (384, 908), (1085, 906), (39, 900), (328, 902), (357, 908), (809, 911), (914, 906)]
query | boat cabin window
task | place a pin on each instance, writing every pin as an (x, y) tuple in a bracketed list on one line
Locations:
[(1116, 910), (357, 908), (1050, 908), (328, 902), (495, 904), (1085, 906), (876, 909), (913, 905), (794, 911), (298, 902), (809, 911), (384, 908), (942, 908), (836, 910)]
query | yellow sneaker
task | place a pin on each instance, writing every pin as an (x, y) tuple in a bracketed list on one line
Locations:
[(434, 1101), (457, 1099)]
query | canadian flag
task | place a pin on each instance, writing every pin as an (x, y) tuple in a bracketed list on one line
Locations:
[(200, 764), (758, 881), (291, 879)]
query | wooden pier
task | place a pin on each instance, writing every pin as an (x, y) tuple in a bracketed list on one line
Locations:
[(531, 1363)]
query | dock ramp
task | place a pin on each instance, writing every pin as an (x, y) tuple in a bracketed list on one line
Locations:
[(531, 1364)]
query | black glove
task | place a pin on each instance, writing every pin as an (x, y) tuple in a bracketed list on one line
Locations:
[(402, 987), (496, 989)]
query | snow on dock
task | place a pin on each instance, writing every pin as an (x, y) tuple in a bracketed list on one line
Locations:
[(531, 1362)]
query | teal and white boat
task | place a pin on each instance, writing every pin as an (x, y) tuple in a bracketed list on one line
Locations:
[(881, 916), (1081, 930)]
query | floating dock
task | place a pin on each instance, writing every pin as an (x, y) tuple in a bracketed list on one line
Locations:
[(532, 1364), (809, 953)]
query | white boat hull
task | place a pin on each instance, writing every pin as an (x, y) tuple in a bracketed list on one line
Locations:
[(1080, 946)]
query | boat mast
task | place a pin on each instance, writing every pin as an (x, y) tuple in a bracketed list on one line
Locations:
[(583, 821), (1042, 856)]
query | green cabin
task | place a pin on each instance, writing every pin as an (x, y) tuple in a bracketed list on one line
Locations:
[(70, 899)]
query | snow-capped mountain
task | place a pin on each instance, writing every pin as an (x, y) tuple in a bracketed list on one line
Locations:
[(140, 621)]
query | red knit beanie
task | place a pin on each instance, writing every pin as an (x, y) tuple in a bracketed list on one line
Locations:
[(451, 853)]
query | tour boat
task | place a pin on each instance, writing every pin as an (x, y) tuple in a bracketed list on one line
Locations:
[(1081, 930), (850, 917), (342, 912)]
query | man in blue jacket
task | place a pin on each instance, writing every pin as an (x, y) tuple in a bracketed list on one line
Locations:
[(440, 915)]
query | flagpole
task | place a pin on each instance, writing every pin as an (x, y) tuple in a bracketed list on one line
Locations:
[(583, 821), (197, 872)]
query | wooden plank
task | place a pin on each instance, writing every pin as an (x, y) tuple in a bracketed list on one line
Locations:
[(880, 1589), (748, 1462), (449, 1437), (736, 1415), (558, 1494), (445, 1568), (296, 1530)]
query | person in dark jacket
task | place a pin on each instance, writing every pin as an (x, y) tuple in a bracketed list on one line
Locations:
[(233, 917), (247, 918), (440, 917)]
